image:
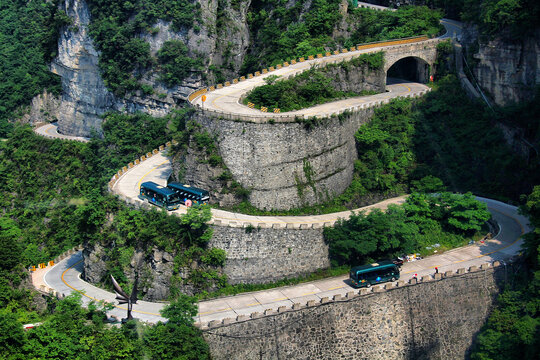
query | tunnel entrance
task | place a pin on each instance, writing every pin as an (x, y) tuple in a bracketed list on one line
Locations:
[(409, 68)]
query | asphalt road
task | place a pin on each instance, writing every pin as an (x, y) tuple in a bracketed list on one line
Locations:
[(65, 276), (158, 168), (51, 131)]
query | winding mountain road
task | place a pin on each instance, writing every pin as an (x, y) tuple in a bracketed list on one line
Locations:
[(51, 131), (65, 276)]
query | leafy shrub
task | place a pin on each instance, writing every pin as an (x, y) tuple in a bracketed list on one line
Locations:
[(309, 88), (28, 42), (407, 21), (176, 65), (214, 257), (124, 56), (423, 220), (509, 18)]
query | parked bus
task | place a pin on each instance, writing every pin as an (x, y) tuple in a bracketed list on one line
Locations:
[(367, 275), (159, 195), (189, 195)]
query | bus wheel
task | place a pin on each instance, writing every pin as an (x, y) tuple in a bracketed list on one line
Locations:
[(368, 285), (393, 279)]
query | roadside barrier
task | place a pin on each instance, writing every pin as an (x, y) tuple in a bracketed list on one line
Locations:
[(43, 288), (148, 155), (389, 43), (349, 296)]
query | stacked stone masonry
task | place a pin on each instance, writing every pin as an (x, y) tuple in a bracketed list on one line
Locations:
[(435, 319), (264, 159), (257, 255)]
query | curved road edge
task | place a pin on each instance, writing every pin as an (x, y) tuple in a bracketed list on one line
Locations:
[(50, 130), (64, 277)]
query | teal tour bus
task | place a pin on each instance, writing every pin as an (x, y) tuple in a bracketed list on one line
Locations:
[(367, 275), (159, 195), (189, 195)]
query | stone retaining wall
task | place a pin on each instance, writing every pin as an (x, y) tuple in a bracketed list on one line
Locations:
[(434, 319), (287, 165), (262, 255)]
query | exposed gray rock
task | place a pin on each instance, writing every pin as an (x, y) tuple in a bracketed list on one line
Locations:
[(194, 169), (507, 70), (44, 108), (84, 96), (254, 255), (94, 263)]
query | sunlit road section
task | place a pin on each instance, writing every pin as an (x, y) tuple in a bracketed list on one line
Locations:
[(51, 131), (65, 276)]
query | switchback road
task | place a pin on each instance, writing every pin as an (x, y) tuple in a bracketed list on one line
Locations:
[(65, 276)]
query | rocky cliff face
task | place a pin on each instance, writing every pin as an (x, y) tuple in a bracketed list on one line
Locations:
[(85, 97), (194, 168), (357, 79), (44, 108), (508, 71), (254, 256), (155, 269)]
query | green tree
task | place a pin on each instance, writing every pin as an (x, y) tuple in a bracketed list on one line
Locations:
[(175, 63), (12, 336), (28, 39), (10, 250), (178, 338)]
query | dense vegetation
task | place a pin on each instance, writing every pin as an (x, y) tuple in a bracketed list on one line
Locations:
[(48, 209), (71, 332), (510, 18), (405, 22), (28, 33), (311, 87), (443, 141), (281, 32), (424, 224), (125, 56), (53, 193), (512, 330)]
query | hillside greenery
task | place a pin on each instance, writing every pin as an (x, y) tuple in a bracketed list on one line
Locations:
[(28, 35), (125, 56), (281, 32), (423, 224), (73, 332), (49, 209), (443, 141), (512, 329), (54, 193), (372, 25), (510, 18), (311, 87)]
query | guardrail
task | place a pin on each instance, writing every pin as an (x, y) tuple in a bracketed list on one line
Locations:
[(137, 161), (44, 289), (347, 297), (397, 42), (276, 117)]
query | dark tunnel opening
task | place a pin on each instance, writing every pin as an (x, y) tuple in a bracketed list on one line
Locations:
[(410, 69)]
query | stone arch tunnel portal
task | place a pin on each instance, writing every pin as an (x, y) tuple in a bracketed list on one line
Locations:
[(409, 68)]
